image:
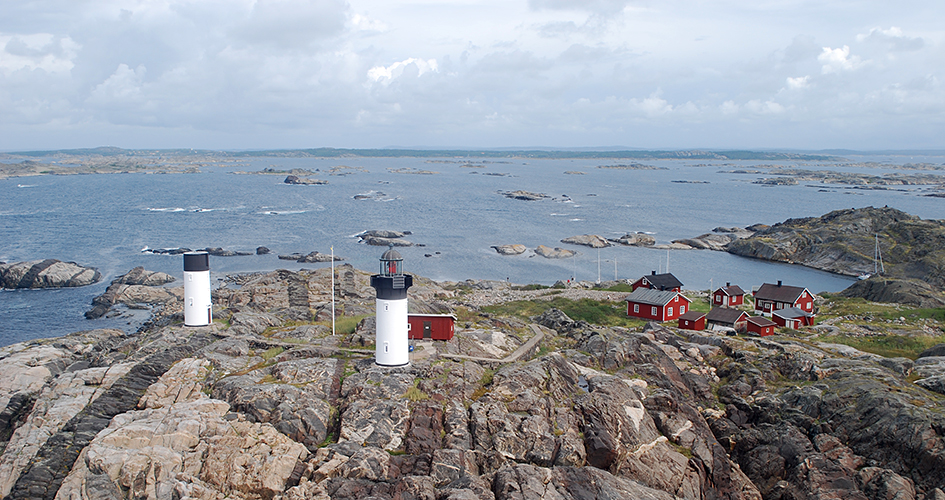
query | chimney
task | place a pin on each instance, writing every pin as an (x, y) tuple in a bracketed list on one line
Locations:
[(653, 273), (779, 282), (728, 283)]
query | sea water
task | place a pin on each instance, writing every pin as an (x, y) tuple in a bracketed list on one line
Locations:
[(455, 215)]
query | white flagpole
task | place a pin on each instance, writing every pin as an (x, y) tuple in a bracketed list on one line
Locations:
[(332, 290)]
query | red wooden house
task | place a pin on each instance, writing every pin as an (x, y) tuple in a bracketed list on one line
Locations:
[(792, 317), (761, 325), (692, 320), (430, 326), (726, 317), (656, 305), (728, 296), (665, 281), (770, 298)]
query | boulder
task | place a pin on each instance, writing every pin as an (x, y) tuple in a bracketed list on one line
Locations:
[(262, 251), (523, 195), (386, 242), (554, 253), (590, 240), (514, 249), (49, 273), (220, 252)]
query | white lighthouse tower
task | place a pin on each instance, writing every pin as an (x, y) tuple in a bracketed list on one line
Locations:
[(391, 286), (197, 305)]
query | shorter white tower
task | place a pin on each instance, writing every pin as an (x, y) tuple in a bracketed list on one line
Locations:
[(197, 305), (391, 284)]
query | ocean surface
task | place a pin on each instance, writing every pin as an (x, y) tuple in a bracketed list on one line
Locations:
[(456, 214)]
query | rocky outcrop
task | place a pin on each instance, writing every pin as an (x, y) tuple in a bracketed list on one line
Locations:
[(554, 253), (524, 195), (311, 257), (49, 273), (136, 287), (911, 292), (843, 242), (590, 240), (636, 240), (294, 179), (515, 249), (270, 406), (222, 252)]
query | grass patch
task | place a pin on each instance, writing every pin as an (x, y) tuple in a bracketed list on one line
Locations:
[(890, 346), (605, 313), (271, 353), (415, 394), (622, 287), (344, 325)]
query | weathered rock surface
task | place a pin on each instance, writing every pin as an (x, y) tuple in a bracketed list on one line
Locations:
[(515, 249), (222, 252), (271, 406), (636, 239), (843, 242), (590, 240), (49, 273), (311, 257), (554, 253), (136, 287), (911, 292), (524, 195), (294, 179)]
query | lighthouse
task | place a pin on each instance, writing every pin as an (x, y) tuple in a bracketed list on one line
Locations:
[(391, 285), (197, 306)]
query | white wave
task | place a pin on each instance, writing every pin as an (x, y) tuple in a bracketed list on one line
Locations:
[(560, 215), (575, 220), (282, 212), (167, 209), (26, 185)]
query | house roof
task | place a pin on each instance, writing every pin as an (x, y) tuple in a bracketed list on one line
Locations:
[(692, 316), (420, 315), (779, 293), (761, 321), (653, 297), (732, 290), (792, 313), (665, 281), (725, 315)]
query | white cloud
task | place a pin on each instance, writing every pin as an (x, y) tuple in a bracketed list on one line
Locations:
[(595, 6), (892, 37), (837, 60), (42, 51), (385, 74), (124, 85), (801, 82)]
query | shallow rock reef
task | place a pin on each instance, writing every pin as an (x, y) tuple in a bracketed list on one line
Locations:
[(267, 404)]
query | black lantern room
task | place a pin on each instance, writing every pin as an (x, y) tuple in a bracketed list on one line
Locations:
[(391, 283), (392, 264)]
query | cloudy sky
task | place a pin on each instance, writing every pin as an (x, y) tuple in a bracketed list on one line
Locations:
[(244, 74)]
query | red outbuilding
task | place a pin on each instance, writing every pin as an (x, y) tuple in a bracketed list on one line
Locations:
[(430, 326), (725, 317), (770, 298), (728, 296), (692, 320), (665, 281), (761, 325), (656, 305), (792, 317)]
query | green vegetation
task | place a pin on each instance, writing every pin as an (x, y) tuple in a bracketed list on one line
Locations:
[(345, 325), (604, 313), (415, 394), (271, 353), (888, 345), (622, 287)]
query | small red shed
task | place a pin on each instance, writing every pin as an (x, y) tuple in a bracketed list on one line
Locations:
[(761, 325), (692, 320), (430, 326), (728, 296), (792, 317), (726, 317)]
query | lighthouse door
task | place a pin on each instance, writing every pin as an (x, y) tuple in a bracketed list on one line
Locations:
[(427, 330)]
